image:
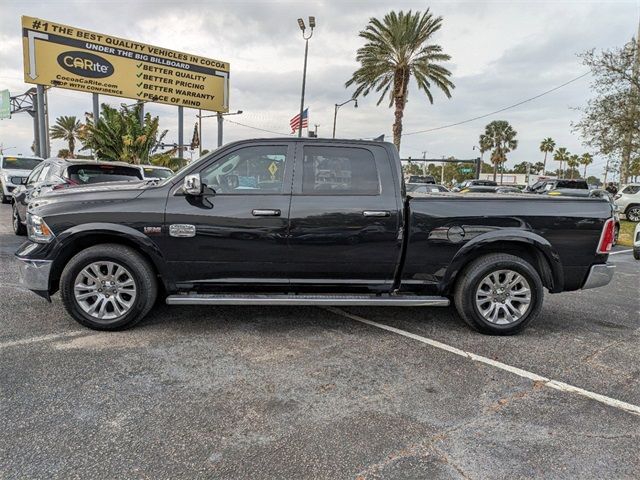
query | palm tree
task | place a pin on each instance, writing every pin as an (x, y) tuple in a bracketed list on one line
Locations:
[(561, 155), (501, 137), (399, 47), (547, 145), (67, 129), (539, 167), (573, 162), (119, 135), (586, 159)]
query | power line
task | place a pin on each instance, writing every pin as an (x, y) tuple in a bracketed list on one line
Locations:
[(498, 111), (257, 128)]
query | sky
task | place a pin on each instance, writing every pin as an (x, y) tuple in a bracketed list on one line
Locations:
[(503, 52)]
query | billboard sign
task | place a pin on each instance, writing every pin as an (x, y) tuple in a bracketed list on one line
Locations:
[(5, 104), (68, 57)]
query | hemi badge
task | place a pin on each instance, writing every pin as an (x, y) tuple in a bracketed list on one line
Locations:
[(182, 230), (152, 230)]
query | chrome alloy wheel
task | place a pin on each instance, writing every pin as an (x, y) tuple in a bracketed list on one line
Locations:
[(105, 290), (503, 297), (633, 214)]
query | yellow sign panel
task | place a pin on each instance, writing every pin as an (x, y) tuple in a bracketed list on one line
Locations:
[(273, 168), (68, 57)]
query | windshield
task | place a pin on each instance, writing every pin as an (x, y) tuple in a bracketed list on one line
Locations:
[(150, 172), (89, 174), (20, 163)]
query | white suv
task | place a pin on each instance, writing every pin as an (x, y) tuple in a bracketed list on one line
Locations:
[(13, 169), (628, 201)]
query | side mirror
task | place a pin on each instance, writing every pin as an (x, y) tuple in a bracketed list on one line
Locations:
[(192, 184)]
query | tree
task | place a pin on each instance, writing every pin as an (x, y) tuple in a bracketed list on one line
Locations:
[(610, 123), (539, 168), (561, 155), (547, 145), (586, 159), (522, 167), (64, 153), (119, 135), (501, 137), (397, 48), (67, 129), (573, 162)]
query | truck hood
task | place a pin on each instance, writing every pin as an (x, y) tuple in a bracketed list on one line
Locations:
[(9, 172), (86, 196)]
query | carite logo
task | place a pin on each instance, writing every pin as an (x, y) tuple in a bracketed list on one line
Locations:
[(85, 64)]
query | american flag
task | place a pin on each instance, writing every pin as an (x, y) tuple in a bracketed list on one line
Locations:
[(295, 121)]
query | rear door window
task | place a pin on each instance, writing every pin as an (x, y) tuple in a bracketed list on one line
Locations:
[(631, 189), (331, 170)]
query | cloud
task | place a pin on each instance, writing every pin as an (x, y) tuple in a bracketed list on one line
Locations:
[(502, 52)]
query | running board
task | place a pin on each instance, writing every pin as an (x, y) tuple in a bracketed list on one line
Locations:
[(317, 299)]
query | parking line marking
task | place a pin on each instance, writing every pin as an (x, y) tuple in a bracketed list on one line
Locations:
[(621, 251), (42, 338), (561, 386)]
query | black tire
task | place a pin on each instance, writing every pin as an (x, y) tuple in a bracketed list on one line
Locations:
[(469, 281), (5, 199), (633, 213), (141, 272), (636, 253), (16, 222)]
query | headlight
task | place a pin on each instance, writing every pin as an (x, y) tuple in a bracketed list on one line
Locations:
[(37, 229)]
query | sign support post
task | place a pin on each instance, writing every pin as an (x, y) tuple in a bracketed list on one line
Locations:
[(36, 131), (180, 131), (41, 122), (220, 122)]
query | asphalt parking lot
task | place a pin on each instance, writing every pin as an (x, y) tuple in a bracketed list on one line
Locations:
[(255, 392)]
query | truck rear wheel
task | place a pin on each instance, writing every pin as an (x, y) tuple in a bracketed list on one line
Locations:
[(108, 287), (499, 294)]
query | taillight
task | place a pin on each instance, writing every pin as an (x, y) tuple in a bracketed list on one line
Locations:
[(607, 237)]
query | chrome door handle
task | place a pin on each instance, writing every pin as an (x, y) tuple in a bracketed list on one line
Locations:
[(258, 212), (376, 213)]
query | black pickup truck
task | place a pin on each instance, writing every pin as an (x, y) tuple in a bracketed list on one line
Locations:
[(309, 222)]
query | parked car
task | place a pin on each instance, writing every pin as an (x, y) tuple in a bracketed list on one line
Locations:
[(474, 183), (490, 189), (421, 179), (59, 173), (636, 242), (628, 202), (547, 185), (152, 171), (13, 171), (418, 188), (238, 227)]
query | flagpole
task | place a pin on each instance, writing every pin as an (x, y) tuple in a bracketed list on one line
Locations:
[(312, 24)]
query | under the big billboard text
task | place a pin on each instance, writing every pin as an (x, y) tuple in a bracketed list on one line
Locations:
[(68, 57)]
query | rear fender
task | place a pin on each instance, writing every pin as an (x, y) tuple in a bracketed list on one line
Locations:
[(544, 251)]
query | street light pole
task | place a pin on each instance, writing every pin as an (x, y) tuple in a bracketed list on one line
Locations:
[(335, 112), (312, 24)]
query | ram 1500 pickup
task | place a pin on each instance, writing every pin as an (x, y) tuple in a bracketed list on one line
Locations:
[(309, 222)]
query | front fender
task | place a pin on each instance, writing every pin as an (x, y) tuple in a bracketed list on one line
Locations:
[(517, 237), (68, 240)]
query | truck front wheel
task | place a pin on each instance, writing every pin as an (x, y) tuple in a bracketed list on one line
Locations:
[(108, 287), (499, 294)]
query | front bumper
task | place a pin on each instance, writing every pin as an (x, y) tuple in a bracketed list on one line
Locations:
[(599, 276), (34, 274)]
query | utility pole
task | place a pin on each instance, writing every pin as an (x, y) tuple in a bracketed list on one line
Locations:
[(442, 173), (200, 132), (424, 164), (312, 24), (220, 120)]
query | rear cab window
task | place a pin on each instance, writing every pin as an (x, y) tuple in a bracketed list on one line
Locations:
[(329, 170), (90, 174)]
